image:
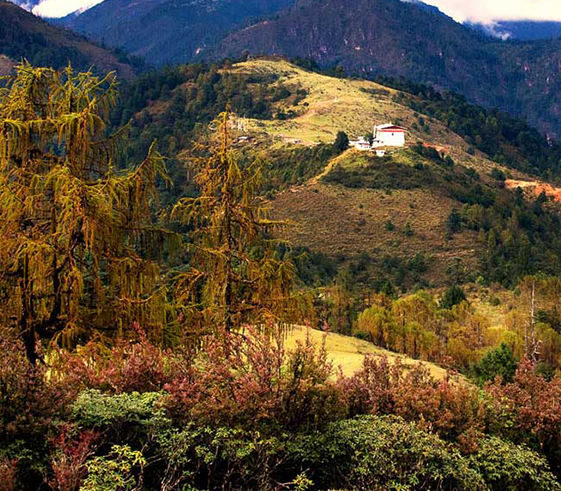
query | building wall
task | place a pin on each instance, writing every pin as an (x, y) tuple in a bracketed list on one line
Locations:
[(391, 139)]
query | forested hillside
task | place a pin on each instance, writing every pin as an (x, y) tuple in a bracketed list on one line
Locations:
[(449, 211), (25, 36)]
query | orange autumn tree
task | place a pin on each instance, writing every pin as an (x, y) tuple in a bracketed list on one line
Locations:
[(235, 278), (75, 232)]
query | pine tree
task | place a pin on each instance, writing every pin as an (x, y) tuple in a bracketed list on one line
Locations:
[(236, 277), (74, 231)]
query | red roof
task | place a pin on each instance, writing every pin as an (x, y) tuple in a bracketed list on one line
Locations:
[(392, 129)]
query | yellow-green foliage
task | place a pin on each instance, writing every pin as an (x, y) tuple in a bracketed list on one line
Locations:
[(73, 229), (235, 277), (418, 326)]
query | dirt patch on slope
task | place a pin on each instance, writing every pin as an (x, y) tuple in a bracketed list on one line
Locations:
[(536, 188)]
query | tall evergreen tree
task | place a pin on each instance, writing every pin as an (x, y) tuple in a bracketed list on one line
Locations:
[(74, 231), (236, 277)]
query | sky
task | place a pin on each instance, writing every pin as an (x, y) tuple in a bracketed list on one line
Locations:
[(484, 11), (488, 11)]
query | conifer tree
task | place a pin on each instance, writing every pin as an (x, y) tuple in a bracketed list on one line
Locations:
[(74, 230), (236, 278)]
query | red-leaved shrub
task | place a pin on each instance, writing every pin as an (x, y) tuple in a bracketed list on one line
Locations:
[(251, 379), (71, 451), (452, 408), (126, 366), (28, 401), (8, 474), (534, 405)]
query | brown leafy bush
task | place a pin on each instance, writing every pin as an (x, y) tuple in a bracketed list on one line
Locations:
[(127, 366), (8, 474), (68, 461), (452, 409), (533, 405), (251, 379), (28, 401)]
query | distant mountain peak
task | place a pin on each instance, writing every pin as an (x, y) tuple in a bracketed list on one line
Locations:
[(425, 6), (521, 30), (24, 35)]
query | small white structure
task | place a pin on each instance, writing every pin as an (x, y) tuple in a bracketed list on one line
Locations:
[(360, 144), (380, 152), (388, 135)]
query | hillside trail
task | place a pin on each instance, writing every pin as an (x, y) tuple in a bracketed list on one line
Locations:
[(327, 169)]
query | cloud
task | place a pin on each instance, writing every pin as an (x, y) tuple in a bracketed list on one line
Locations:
[(61, 8), (488, 11)]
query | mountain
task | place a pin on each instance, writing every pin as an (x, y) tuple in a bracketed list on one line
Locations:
[(168, 31), (394, 218), (424, 6), (23, 35), (27, 4), (370, 37), (393, 38), (54, 9)]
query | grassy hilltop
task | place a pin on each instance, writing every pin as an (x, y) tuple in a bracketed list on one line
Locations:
[(345, 205), (392, 217)]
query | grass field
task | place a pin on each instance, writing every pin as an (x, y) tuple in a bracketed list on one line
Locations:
[(348, 352), (338, 221), (353, 106)]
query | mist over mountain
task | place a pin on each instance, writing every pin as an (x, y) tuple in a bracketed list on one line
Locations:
[(527, 30)]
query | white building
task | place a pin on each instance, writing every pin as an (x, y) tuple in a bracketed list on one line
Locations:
[(360, 144), (388, 135)]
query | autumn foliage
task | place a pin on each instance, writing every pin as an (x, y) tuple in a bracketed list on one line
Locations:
[(121, 372)]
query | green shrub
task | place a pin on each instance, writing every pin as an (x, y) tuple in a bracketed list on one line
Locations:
[(114, 472), (379, 453), (341, 143), (94, 409), (499, 362), (218, 458), (452, 296), (509, 467), (498, 174)]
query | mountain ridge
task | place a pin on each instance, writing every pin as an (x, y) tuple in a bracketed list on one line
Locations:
[(25, 36), (401, 40), (168, 31), (380, 37)]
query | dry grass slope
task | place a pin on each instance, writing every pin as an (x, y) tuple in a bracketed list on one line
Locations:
[(338, 220), (349, 353)]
